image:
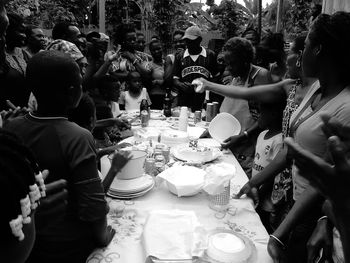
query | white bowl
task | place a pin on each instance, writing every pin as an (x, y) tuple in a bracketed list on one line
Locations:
[(226, 246), (223, 126), (134, 167)]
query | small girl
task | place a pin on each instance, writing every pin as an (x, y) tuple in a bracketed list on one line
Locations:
[(131, 98), (268, 145)]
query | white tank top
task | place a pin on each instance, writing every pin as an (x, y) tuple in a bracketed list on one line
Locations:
[(132, 103)]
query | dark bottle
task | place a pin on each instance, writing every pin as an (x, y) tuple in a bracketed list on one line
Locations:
[(167, 103)]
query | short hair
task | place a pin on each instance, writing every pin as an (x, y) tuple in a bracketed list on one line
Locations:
[(332, 32), (241, 48), (61, 30), (15, 21), (299, 43), (178, 32), (18, 166), (131, 74), (82, 114), (121, 31), (50, 74)]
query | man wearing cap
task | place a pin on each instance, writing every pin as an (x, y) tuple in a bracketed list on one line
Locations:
[(194, 62)]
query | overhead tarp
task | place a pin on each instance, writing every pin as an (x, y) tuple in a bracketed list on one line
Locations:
[(332, 6)]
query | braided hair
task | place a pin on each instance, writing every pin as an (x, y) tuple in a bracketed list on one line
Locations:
[(17, 172)]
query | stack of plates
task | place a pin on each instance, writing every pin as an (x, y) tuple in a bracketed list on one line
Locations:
[(129, 189)]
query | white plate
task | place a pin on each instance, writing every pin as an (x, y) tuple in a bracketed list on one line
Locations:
[(132, 185), (178, 155), (130, 196), (251, 249), (223, 126)]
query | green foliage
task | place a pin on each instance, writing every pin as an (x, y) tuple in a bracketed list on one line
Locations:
[(164, 15), (49, 12), (231, 18), (295, 16)]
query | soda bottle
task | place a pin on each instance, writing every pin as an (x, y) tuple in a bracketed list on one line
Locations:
[(144, 106)]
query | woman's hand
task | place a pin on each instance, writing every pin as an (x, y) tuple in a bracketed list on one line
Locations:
[(200, 85), (276, 251)]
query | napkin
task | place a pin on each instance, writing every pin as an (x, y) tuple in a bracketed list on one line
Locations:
[(183, 180), (173, 234), (218, 177)]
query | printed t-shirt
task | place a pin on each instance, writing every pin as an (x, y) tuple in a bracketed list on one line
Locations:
[(265, 151), (190, 67)]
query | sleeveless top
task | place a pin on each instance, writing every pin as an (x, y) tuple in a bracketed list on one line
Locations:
[(246, 112)]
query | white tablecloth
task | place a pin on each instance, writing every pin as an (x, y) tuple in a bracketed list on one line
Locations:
[(126, 246)]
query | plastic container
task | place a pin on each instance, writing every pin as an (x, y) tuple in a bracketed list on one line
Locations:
[(220, 201), (183, 119)]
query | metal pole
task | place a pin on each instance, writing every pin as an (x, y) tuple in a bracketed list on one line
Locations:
[(279, 16), (102, 15)]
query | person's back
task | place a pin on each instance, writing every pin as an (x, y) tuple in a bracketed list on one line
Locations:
[(68, 151)]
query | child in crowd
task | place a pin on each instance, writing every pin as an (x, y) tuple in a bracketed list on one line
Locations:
[(131, 98), (109, 91), (268, 145)]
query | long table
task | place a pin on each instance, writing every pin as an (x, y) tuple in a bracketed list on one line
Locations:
[(126, 246)]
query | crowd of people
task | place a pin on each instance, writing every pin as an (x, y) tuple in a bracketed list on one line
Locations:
[(61, 100)]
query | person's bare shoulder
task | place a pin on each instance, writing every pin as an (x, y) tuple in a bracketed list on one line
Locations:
[(263, 77)]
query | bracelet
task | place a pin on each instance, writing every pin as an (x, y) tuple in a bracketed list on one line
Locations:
[(321, 218), (279, 241), (246, 134), (135, 61)]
